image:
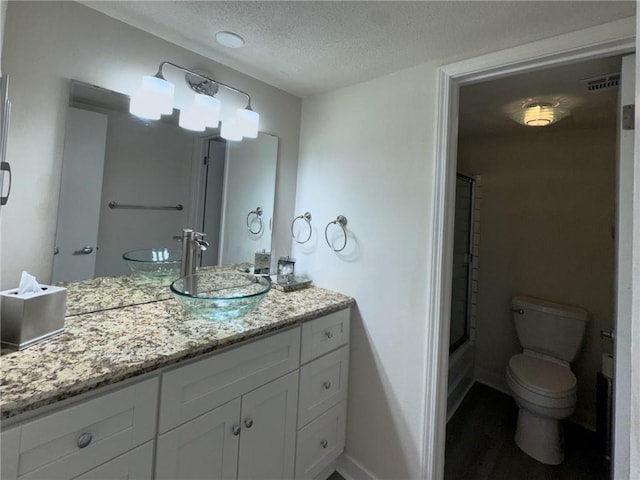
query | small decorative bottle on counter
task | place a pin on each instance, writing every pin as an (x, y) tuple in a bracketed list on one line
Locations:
[(286, 266), (262, 263)]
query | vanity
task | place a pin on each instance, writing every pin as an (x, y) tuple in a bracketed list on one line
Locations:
[(146, 391)]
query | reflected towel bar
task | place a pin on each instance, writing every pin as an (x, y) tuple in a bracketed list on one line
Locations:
[(146, 207)]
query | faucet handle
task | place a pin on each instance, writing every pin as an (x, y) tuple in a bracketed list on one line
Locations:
[(202, 244)]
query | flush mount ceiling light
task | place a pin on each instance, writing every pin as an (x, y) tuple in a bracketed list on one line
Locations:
[(155, 98), (538, 112), (229, 39)]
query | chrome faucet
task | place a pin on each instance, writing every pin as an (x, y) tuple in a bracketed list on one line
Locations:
[(192, 244)]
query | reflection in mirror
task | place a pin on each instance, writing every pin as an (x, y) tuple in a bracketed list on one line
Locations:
[(130, 184)]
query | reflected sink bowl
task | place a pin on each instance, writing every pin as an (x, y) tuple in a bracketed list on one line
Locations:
[(220, 296), (155, 263)]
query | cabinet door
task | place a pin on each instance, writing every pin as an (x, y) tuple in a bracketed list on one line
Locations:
[(267, 442), (205, 447), (10, 451), (134, 465)]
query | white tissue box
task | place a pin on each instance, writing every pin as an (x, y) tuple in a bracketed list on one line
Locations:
[(31, 317)]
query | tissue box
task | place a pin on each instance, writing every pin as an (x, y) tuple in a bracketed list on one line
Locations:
[(32, 317)]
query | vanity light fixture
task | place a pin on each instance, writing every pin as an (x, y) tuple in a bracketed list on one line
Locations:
[(539, 114), (155, 98)]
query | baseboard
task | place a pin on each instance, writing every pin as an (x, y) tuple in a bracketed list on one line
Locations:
[(327, 471), (351, 469), (490, 379), (458, 401)]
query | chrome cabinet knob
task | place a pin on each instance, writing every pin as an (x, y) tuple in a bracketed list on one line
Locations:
[(248, 422), (235, 430), (328, 334), (324, 443), (326, 384), (84, 440)]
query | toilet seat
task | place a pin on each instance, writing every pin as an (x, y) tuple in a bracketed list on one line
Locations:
[(541, 382)]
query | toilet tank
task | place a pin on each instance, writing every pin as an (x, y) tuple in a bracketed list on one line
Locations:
[(549, 328)]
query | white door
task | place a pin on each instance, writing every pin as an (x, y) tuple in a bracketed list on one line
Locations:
[(267, 442), (80, 188), (206, 447), (624, 447)]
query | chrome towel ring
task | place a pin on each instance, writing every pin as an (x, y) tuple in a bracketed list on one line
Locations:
[(341, 221), (258, 217), (307, 218)]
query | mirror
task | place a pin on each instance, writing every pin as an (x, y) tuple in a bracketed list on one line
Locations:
[(129, 183)]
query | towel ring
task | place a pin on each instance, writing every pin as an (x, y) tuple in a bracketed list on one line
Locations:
[(307, 218), (258, 214), (342, 222)]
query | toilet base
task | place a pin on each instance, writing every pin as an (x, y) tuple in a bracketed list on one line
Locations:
[(540, 437)]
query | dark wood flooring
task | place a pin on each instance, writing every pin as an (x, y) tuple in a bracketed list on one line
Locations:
[(480, 445)]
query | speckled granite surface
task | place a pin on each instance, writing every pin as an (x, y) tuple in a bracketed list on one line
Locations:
[(103, 293), (103, 348)]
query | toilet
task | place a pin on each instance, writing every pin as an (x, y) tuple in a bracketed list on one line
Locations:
[(540, 378)]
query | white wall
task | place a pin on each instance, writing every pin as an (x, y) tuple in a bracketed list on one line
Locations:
[(366, 153), (48, 43), (146, 163), (3, 16), (548, 211)]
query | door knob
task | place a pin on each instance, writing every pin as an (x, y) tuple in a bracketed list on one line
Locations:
[(86, 250)]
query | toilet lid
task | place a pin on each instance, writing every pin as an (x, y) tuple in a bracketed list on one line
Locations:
[(542, 376)]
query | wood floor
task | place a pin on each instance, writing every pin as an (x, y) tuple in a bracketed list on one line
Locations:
[(480, 445)]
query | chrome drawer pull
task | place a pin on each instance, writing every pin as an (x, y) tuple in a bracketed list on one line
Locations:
[(328, 334), (84, 440), (326, 384), (235, 430), (248, 422), (324, 443)]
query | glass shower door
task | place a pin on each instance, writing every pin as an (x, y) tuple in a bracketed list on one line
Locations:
[(462, 259)]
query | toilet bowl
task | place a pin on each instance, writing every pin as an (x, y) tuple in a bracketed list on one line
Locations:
[(540, 378), (545, 393)]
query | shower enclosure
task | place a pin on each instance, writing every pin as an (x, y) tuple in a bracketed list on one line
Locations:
[(462, 262)]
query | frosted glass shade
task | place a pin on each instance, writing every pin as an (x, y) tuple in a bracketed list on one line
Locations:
[(191, 120), (539, 115), (230, 131), (142, 105), (160, 91), (208, 108), (247, 121)]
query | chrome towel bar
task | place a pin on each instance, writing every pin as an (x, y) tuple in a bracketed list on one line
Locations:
[(146, 207)]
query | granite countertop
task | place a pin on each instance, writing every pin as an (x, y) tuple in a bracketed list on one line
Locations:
[(105, 347)]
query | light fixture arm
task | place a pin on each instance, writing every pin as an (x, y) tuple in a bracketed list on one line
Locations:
[(204, 77)]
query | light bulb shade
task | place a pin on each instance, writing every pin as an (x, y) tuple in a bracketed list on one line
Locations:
[(539, 115), (208, 108), (230, 130), (142, 105), (160, 92), (247, 121), (191, 120)]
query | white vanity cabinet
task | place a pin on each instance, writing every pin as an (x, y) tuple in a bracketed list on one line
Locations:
[(322, 405), (232, 415), (73, 440)]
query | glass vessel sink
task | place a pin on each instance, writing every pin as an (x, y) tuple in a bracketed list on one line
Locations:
[(220, 296), (155, 263)]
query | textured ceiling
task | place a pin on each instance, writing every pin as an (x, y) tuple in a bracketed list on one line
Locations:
[(307, 47)]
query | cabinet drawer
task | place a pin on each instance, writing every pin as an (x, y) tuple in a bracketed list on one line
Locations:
[(192, 390), (9, 452), (71, 441), (320, 442), (324, 334), (136, 464), (323, 383)]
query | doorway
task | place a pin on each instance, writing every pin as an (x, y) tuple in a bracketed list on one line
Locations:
[(560, 50)]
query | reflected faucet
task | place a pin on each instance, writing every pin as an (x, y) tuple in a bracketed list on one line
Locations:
[(192, 244)]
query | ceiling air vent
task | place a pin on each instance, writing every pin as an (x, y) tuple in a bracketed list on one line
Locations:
[(602, 82)]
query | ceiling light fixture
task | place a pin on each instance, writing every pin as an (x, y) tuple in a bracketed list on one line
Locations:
[(229, 39), (539, 114), (155, 98)]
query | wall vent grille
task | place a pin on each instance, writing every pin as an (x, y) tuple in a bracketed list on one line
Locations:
[(600, 83)]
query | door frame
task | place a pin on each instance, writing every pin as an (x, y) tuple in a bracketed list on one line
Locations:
[(613, 38)]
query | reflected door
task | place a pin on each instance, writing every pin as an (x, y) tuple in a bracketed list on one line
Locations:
[(462, 259), (79, 204)]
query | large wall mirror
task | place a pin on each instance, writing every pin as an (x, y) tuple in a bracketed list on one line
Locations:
[(129, 183)]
